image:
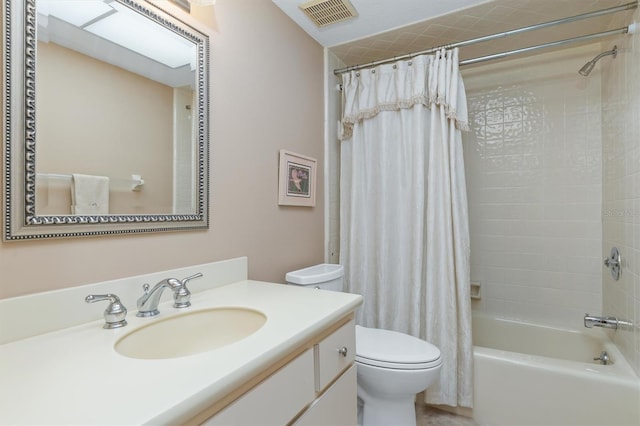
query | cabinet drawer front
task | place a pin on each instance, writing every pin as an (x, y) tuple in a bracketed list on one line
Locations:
[(337, 406), (334, 354), (276, 400)]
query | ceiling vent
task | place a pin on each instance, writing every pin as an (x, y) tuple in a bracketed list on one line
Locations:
[(327, 12)]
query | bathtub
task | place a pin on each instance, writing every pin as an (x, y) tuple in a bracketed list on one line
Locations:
[(526, 374)]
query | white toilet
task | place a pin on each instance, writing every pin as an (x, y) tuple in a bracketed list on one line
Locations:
[(392, 367)]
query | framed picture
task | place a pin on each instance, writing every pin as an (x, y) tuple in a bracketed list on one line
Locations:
[(297, 183)]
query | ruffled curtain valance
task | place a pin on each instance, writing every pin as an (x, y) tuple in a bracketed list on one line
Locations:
[(425, 79)]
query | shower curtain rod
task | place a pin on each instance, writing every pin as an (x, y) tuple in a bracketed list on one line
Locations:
[(490, 37), (623, 30)]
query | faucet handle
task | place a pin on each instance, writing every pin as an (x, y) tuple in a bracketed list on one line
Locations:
[(182, 295), (115, 314), (184, 280)]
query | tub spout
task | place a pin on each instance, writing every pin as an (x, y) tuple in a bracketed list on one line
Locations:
[(591, 321), (603, 358)]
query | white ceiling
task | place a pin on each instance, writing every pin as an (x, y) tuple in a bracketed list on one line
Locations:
[(374, 16)]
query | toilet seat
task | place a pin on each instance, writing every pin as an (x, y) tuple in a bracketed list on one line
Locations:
[(390, 349)]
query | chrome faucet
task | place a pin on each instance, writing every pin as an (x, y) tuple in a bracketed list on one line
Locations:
[(591, 321), (148, 302)]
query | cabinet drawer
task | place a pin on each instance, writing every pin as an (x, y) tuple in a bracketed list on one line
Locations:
[(337, 406), (334, 354), (276, 400)]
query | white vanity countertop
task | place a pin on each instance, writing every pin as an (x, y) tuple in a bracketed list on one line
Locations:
[(74, 375)]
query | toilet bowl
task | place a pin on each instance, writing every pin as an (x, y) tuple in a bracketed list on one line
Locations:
[(391, 367)]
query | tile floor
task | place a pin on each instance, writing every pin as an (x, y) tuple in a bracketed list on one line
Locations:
[(428, 416)]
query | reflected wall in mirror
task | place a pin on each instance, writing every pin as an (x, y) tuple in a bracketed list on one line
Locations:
[(106, 119)]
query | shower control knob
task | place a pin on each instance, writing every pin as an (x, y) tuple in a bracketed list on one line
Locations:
[(613, 263), (343, 351)]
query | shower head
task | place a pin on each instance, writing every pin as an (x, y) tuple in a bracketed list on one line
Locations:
[(588, 67)]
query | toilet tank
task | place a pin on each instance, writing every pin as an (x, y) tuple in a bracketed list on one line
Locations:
[(326, 276)]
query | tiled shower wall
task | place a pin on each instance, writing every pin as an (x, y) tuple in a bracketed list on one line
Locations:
[(621, 187), (533, 162)]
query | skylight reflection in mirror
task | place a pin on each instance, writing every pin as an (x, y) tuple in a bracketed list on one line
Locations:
[(106, 20)]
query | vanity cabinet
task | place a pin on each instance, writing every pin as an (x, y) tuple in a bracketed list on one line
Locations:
[(315, 385), (334, 354), (291, 371), (276, 400), (336, 406)]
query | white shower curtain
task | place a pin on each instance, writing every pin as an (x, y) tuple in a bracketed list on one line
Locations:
[(404, 224)]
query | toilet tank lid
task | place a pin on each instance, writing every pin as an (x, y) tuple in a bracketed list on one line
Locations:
[(315, 274)]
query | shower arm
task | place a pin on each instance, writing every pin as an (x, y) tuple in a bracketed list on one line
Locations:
[(613, 52)]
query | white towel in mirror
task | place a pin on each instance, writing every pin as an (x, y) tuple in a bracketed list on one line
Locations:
[(89, 195)]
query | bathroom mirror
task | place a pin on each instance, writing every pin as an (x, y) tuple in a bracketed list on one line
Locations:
[(105, 119)]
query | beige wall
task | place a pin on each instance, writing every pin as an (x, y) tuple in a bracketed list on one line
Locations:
[(334, 109), (266, 94), (79, 101)]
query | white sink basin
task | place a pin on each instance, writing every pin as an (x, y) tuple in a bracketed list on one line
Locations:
[(190, 333)]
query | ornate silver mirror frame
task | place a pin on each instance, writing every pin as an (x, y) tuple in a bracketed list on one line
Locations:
[(19, 124)]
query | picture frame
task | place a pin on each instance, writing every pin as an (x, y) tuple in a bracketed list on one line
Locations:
[(297, 180)]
